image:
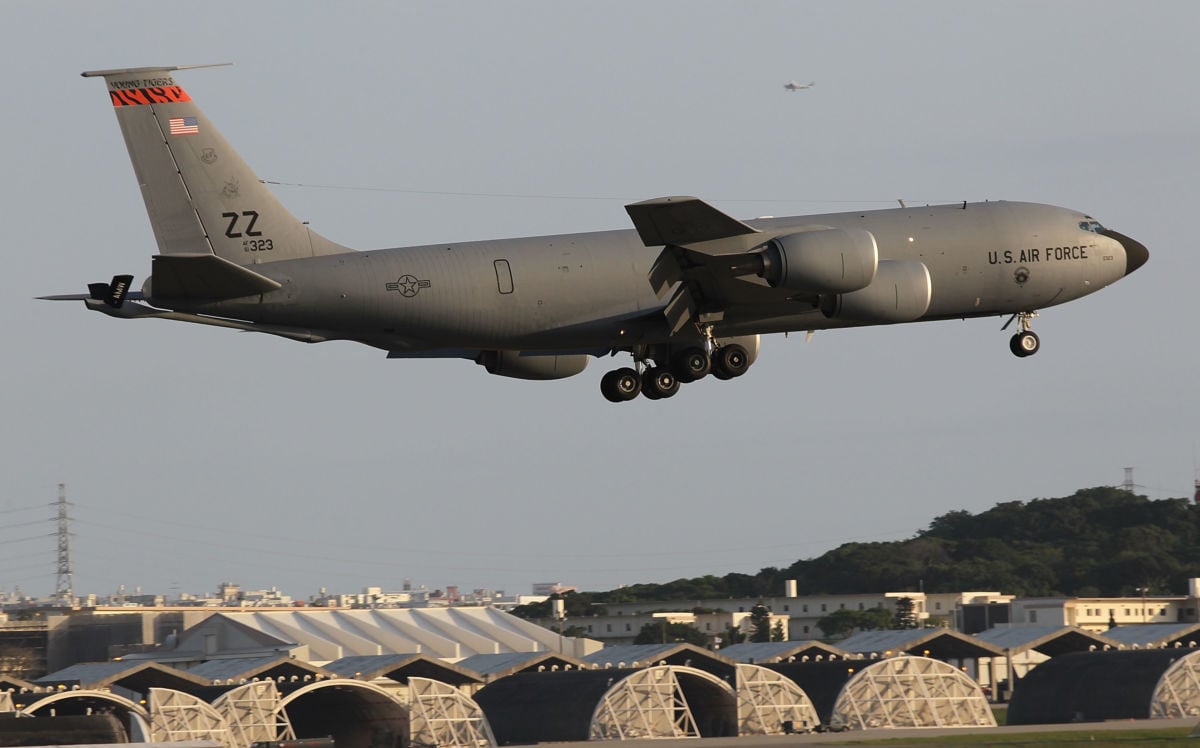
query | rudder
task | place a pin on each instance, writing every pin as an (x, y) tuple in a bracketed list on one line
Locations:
[(201, 196)]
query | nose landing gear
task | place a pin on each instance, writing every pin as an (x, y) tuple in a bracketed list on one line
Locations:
[(1025, 342)]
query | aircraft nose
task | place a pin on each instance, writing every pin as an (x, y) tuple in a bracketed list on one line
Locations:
[(1136, 253)]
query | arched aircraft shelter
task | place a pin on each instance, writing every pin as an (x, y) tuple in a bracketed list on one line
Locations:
[(911, 692), (132, 715), (1094, 686), (770, 703), (902, 691), (1178, 691), (356, 714), (665, 701)]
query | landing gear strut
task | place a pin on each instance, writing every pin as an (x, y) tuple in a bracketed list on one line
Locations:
[(1025, 342)]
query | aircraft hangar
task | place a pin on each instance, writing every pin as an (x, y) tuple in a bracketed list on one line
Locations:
[(356, 713), (662, 701), (239, 679), (897, 691), (1105, 685)]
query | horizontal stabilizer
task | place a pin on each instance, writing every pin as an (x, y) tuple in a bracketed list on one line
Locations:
[(150, 70), (680, 221), (91, 295), (204, 276)]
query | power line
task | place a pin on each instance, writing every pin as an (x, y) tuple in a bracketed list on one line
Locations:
[(29, 524), (22, 508)]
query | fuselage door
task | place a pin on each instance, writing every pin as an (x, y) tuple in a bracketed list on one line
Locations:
[(504, 280)]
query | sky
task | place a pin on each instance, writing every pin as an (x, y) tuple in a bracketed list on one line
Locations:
[(194, 455)]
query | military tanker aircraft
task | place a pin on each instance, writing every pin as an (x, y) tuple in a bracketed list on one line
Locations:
[(686, 293)]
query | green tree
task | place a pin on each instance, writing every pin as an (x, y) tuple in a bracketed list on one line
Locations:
[(760, 623), (906, 613), (1098, 541), (575, 605), (777, 632), (839, 624), (661, 631), (732, 635)]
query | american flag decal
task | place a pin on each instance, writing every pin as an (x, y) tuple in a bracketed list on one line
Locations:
[(184, 126)]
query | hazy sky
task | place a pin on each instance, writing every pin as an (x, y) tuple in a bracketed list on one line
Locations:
[(195, 455)]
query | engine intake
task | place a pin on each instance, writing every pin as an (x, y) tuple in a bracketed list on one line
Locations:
[(822, 261), (532, 366), (901, 292)]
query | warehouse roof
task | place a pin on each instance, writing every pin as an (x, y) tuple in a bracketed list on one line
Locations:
[(9, 683), (492, 666), (400, 667), (1144, 635), (759, 652), (239, 669), (648, 655), (942, 644), (437, 632), (1049, 640), (139, 676)]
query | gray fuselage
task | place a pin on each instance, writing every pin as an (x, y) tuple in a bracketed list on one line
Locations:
[(590, 291)]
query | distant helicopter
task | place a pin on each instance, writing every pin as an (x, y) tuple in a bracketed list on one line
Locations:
[(794, 86)]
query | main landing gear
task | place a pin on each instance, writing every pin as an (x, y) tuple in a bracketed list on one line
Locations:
[(1025, 342), (691, 364)]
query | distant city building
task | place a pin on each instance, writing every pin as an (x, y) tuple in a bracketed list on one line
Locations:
[(552, 588)]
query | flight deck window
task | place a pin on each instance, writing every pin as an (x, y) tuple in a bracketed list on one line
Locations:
[(504, 281), (1093, 226)]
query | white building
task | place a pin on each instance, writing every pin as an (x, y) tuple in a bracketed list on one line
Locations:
[(803, 613), (623, 629)]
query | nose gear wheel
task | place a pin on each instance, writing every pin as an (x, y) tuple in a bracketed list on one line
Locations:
[(1026, 342)]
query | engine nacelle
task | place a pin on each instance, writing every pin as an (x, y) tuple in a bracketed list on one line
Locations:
[(822, 261), (532, 366), (900, 292)]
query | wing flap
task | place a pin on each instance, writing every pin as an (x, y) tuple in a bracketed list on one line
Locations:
[(205, 276), (665, 273)]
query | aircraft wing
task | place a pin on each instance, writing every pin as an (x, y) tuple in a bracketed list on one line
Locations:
[(703, 269)]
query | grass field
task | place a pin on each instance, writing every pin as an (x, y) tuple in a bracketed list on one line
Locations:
[(1099, 739)]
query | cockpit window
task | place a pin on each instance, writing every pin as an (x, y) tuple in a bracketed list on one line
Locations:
[(1093, 226)]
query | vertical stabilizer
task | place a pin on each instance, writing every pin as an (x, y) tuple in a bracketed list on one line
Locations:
[(200, 195)]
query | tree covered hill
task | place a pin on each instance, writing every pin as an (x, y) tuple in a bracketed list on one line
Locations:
[(1100, 541), (1097, 542)]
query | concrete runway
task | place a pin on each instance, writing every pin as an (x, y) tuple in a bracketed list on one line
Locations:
[(917, 735)]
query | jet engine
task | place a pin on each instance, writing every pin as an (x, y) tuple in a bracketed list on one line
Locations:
[(531, 366), (900, 292), (822, 261)]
